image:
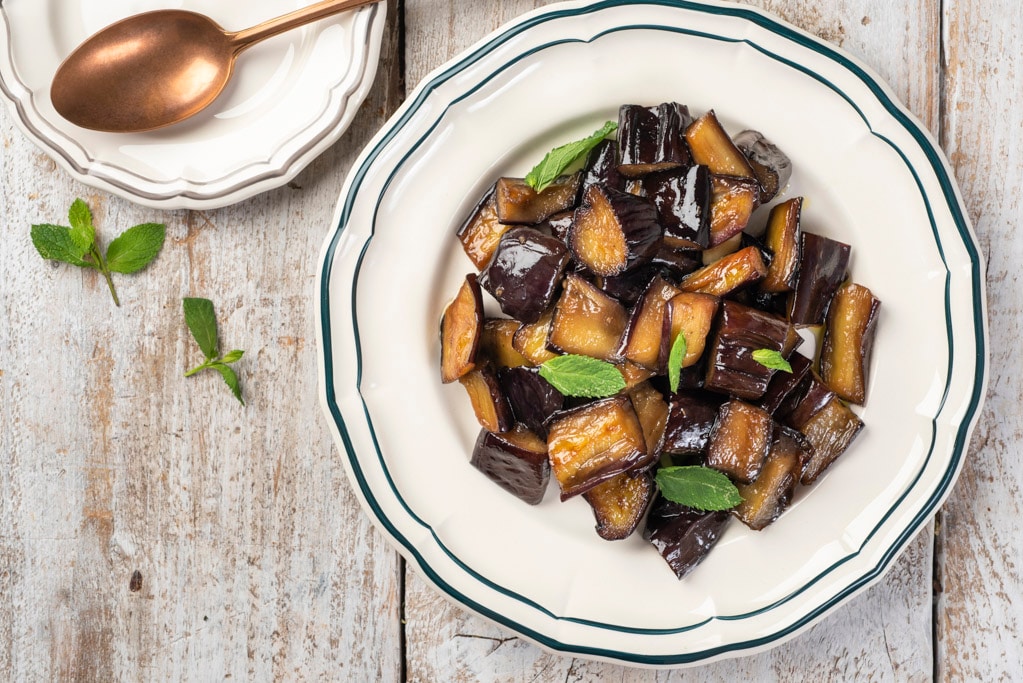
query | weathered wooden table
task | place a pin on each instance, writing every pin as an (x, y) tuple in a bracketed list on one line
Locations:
[(254, 560)]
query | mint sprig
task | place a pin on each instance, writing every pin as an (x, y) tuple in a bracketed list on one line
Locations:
[(700, 488), (772, 359), (131, 251), (558, 159), (675, 358), (201, 320), (575, 375)]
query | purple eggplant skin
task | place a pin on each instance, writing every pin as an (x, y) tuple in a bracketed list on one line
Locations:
[(822, 268), (636, 221), (683, 535), (782, 390), (533, 399), (771, 166), (558, 224), (691, 418), (602, 168), (652, 138), (671, 264), (525, 273), (741, 330), (682, 199), (520, 471)]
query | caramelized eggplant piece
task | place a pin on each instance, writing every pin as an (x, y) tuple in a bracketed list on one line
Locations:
[(531, 340), (651, 138), (683, 203), (740, 440), (482, 231), (532, 398), (525, 272), (516, 461), (711, 146), (822, 269), (764, 500), (849, 340), (519, 204), (827, 423), (728, 274), (619, 504), (633, 374), (667, 263), (771, 166), (652, 411), (593, 443), (558, 224), (586, 321), (488, 401), (783, 387), (783, 238), (691, 417), (733, 201), (496, 343), (691, 314), (642, 339), (613, 231), (602, 168), (683, 535), (741, 331), (460, 331)]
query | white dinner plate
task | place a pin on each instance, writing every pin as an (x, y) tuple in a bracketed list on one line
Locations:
[(872, 177), (291, 97)]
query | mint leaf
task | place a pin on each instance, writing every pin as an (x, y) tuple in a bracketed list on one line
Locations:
[(230, 378), (232, 356), (560, 158), (675, 357), (83, 234), (697, 487), (202, 322), (772, 359), (575, 375), (135, 248), (53, 242)]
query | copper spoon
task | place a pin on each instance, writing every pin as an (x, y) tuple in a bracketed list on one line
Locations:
[(157, 68)]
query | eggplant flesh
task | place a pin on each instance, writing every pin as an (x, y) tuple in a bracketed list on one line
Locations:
[(488, 401), (461, 329), (742, 330), (711, 147), (517, 203), (828, 425), (783, 239), (644, 334), (849, 341), (587, 321), (532, 398), (619, 504), (516, 461), (740, 441), (764, 500), (683, 535), (613, 231), (482, 231), (683, 202), (692, 315), (525, 273), (651, 138), (771, 166), (733, 201), (822, 268), (728, 274)]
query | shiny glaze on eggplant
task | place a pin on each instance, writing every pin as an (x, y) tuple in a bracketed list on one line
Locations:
[(525, 273), (683, 535)]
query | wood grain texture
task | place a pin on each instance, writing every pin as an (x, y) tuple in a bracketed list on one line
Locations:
[(981, 587), (151, 528), (884, 634)]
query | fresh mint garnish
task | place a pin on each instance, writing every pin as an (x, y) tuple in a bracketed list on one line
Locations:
[(202, 323), (675, 357), (560, 158), (131, 251), (701, 488), (772, 359), (575, 375)]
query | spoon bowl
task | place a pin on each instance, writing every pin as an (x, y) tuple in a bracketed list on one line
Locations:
[(154, 69)]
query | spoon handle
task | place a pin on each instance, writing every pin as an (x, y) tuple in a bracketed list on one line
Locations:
[(325, 8)]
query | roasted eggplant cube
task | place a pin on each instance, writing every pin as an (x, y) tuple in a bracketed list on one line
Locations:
[(594, 442), (732, 203), (519, 204), (642, 339), (849, 340), (558, 224), (619, 504), (771, 166), (515, 460), (670, 264), (651, 138), (683, 202), (764, 500), (652, 411), (602, 168), (587, 321), (711, 147), (683, 535), (532, 398), (525, 272), (496, 343), (728, 274), (822, 268), (691, 418), (488, 401), (740, 440), (828, 425), (531, 340), (460, 331), (482, 231), (614, 231), (782, 239), (741, 330), (784, 386), (692, 315)]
